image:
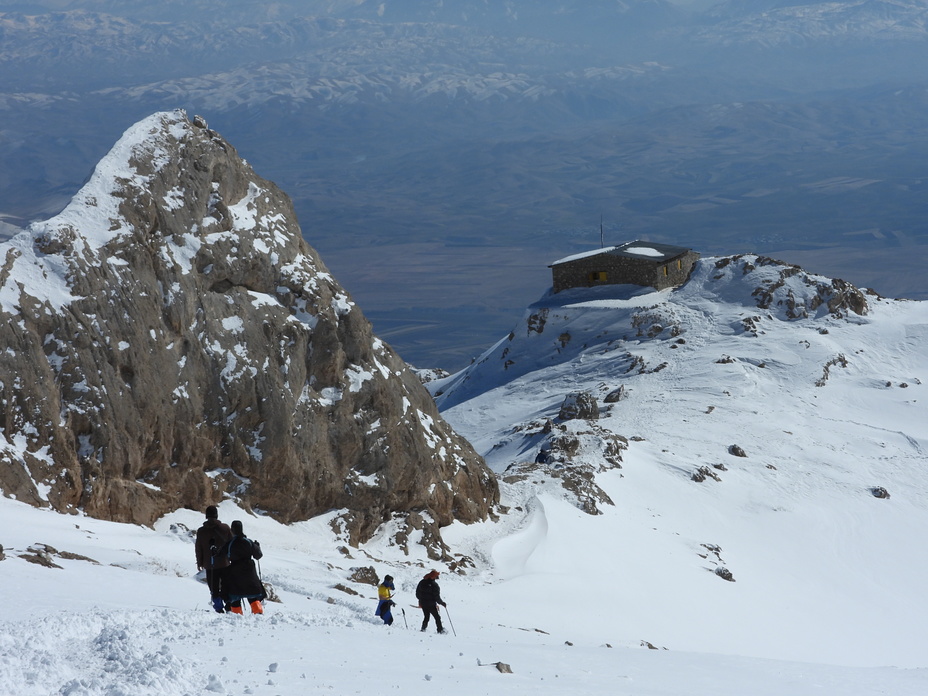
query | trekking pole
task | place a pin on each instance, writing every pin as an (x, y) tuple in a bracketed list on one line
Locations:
[(404, 618), (450, 621)]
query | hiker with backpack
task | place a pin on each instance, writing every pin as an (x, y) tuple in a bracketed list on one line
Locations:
[(385, 604), (240, 581), (429, 595), (211, 537)]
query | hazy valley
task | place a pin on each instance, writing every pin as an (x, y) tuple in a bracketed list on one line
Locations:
[(452, 156)]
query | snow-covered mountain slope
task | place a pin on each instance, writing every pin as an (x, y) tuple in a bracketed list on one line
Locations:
[(827, 580), (749, 358), (119, 614)]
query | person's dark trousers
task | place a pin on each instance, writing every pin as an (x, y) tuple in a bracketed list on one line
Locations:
[(214, 581), (431, 610)]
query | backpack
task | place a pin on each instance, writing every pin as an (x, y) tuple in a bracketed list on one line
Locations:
[(254, 550)]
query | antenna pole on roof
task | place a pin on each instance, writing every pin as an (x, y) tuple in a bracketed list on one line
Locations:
[(602, 243)]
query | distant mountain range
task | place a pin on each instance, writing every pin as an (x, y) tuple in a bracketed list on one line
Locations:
[(771, 24), (417, 136)]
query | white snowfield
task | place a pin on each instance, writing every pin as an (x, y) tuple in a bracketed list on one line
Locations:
[(829, 593), (136, 623)]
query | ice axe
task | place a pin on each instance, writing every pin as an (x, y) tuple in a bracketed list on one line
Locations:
[(404, 617)]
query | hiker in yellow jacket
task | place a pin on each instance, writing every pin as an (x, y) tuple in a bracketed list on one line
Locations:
[(385, 595)]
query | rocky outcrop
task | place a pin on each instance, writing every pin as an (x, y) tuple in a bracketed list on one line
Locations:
[(570, 455), (796, 292), (170, 339), (581, 405), (618, 394)]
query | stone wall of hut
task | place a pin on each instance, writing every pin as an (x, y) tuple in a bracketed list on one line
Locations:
[(615, 269)]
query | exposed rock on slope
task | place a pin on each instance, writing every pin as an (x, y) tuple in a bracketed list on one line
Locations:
[(801, 299), (570, 454), (170, 338)]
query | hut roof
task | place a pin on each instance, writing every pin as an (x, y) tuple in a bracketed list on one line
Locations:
[(645, 251)]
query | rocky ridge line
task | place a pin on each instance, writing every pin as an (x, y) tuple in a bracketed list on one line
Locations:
[(171, 339)]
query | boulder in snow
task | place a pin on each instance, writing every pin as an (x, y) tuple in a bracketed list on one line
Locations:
[(581, 405)]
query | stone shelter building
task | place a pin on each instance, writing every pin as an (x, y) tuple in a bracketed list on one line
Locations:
[(637, 263)]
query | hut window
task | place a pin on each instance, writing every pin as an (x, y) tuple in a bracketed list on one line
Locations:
[(597, 277), (679, 264), (666, 272)]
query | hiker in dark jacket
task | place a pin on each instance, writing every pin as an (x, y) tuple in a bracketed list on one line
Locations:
[(429, 595), (240, 580), (211, 537)]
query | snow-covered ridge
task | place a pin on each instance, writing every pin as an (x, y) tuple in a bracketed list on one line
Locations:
[(747, 290), (746, 449), (95, 209), (92, 219)]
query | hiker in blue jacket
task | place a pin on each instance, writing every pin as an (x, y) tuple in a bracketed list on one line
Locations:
[(386, 603)]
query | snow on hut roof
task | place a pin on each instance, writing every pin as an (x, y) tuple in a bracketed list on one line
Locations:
[(634, 250), (584, 254)]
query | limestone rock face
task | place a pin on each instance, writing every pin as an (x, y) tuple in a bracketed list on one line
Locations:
[(170, 339)]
